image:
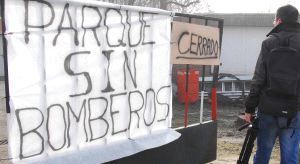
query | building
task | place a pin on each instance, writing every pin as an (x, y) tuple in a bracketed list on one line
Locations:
[(242, 38)]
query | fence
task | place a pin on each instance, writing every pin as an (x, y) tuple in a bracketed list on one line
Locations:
[(205, 71)]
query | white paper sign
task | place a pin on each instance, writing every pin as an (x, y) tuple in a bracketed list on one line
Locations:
[(195, 44), (85, 78)]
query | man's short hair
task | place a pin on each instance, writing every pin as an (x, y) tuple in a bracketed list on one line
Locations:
[(287, 13)]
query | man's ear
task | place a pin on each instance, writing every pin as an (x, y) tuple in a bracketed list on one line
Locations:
[(279, 20)]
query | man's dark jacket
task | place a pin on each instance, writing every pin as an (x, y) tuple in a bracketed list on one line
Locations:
[(259, 81)]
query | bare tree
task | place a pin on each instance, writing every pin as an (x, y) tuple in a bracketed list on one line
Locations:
[(184, 6), (163, 4), (187, 6), (131, 2)]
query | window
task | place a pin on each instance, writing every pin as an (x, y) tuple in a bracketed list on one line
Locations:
[(238, 86), (228, 86)]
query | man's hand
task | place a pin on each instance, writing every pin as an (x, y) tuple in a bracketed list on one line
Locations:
[(248, 117)]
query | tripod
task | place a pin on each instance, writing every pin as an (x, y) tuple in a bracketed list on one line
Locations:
[(249, 141)]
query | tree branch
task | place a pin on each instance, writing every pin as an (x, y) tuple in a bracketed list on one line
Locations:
[(183, 5)]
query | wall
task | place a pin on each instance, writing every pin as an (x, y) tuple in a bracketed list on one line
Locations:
[(240, 48)]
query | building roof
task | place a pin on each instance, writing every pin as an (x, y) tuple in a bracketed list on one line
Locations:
[(245, 19), (241, 77)]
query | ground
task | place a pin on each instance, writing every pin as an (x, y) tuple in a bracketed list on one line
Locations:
[(3, 130), (229, 139)]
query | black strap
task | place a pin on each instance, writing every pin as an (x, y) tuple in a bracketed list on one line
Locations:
[(284, 41), (288, 123)]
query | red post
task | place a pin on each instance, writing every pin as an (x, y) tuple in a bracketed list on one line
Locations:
[(214, 114), (186, 109)]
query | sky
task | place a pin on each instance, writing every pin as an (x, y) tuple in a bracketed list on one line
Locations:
[(249, 6)]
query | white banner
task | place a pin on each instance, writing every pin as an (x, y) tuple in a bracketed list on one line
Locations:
[(86, 78)]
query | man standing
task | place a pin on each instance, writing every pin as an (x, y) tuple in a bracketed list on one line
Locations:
[(266, 84)]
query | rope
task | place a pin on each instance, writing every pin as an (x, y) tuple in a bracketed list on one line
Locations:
[(3, 142), (5, 159)]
